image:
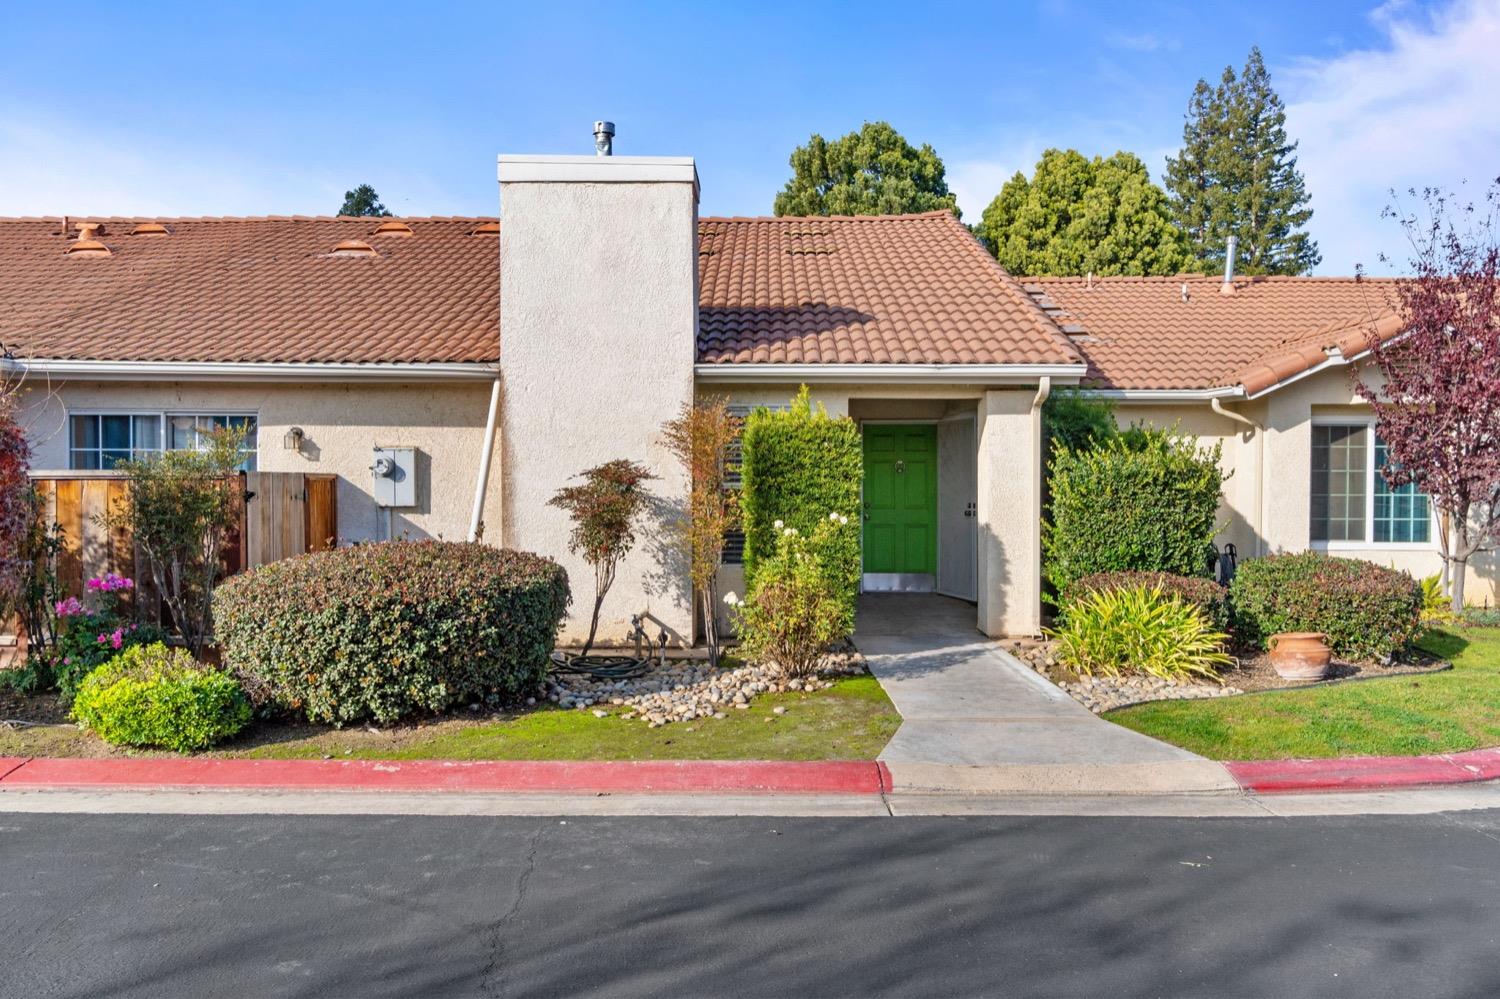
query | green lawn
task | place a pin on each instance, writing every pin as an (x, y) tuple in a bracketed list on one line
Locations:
[(852, 720), (1395, 716)]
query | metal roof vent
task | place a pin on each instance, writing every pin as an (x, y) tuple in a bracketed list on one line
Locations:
[(604, 138), (1231, 248), (393, 228), (86, 246), (486, 229), (150, 229), (354, 248)]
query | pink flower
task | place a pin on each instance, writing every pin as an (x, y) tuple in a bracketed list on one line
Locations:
[(110, 582), (68, 608)]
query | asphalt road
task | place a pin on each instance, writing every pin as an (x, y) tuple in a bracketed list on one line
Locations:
[(201, 906)]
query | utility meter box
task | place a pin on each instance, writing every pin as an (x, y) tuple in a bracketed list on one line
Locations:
[(395, 476)]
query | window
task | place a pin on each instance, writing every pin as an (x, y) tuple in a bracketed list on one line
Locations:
[(98, 440), (102, 440), (1350, 500)]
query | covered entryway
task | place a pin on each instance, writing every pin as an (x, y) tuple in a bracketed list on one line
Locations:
[(919, 507)]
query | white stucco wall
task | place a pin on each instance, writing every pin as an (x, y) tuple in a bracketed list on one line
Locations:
[(343, 422), (599, 312), (1010, 573), (1266, 500)]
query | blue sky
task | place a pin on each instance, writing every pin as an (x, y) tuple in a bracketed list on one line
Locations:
[(276, 108)]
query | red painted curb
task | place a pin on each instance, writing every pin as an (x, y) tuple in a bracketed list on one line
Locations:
[(648, 776), (1365, 773)]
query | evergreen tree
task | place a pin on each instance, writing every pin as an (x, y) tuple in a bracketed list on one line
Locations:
[(874, 171), (1078, 216), (1236, 175), (362, 201)]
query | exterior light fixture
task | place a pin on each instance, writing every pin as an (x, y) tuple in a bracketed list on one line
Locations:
[(293, 439)]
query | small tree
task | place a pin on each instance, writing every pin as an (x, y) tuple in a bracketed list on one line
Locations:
[(701, 437), (181, 508), (604, 509), (362, 201), (1438, 409), (17, 511)]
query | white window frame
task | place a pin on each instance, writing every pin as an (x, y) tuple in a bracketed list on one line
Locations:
[(1369, 544), (162, 418)]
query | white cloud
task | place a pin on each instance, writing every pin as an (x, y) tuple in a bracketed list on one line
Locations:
[(1419, 110), (977, 180), (1144, 42)]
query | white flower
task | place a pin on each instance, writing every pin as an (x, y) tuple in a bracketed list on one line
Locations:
[(833, 516), (778, 524), (731, 598), (790, 532), (843, 519)]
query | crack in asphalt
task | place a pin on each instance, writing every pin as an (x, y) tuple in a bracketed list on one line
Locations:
[(494, 967)]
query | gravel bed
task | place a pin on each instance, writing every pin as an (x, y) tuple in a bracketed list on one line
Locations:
[(688, 689), (1100, 694)]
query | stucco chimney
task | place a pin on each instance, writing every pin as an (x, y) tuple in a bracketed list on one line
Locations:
[(598, 327)]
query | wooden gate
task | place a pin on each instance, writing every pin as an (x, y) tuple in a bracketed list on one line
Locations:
[(288, 513)]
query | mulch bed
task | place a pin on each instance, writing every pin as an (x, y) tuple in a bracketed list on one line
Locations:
[(39, 709)]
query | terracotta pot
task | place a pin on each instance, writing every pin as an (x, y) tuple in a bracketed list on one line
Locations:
[(1300, 655)]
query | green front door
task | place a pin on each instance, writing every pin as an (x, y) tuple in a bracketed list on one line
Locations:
[(900, 515)]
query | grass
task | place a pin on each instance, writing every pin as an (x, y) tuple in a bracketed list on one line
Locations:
[(852, 720), (1444, 712)]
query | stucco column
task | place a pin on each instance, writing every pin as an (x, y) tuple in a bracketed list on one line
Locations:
[(598, 325), (1010, 479)]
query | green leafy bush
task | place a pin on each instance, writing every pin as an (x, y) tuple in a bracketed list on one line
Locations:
[(385, 630), (1203, 593), (1367, 611), (797, 466), (88, 633), (1139, 629), (150, 695), (1072, 421), (793, 613), (1145, 500)]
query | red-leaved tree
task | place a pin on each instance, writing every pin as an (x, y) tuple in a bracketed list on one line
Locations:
[(16, 511), (1437, 403)]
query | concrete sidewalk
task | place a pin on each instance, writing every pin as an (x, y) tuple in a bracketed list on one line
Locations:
[(975, 719)]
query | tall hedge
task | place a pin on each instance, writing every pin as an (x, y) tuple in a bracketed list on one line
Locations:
[(391, 629), (1146, 500), (797, 466)]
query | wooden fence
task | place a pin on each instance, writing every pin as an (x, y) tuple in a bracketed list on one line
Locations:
[(281, 514)]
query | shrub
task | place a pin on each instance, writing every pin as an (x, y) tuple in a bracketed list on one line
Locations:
[(17, 509), (793, 613), (1139, 629), (1205, 594), (151, 695), (1072, 421), (1146, 500), (89, 633), (385, 630), (604, 510), (1367, 610), (797, 466)]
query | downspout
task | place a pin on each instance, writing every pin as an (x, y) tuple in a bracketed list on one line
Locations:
[(1260, 469), (1043, 391), (480, 486)]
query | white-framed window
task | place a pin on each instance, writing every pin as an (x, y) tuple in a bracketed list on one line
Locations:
[(1350, 504), (102, 439)]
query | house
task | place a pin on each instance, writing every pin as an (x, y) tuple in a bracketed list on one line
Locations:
[(489, 362)]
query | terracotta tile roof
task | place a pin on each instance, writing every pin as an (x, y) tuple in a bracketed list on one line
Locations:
[(1139, 333), (908, 289), (252, 289)]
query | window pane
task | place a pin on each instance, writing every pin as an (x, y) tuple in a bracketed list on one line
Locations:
[(182, 433), (108, 459), (1338, 495), (1402, 514), (114, 432), (147, 434), (86, 431), (83, 459)]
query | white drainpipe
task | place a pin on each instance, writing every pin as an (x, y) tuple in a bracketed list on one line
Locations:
[(484, 462), (1043, 390), (1260, 469)]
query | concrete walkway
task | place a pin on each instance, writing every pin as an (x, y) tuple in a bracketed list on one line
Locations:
[(975, 719)]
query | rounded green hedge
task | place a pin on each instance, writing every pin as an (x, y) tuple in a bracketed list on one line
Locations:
[(1368, 611), (389, 629), (150, 695), (1199, 591)]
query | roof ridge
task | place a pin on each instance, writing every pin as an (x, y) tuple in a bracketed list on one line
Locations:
[(1216, 279), (794, 219)]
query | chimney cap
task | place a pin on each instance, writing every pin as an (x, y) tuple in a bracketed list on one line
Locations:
[(604, 136)]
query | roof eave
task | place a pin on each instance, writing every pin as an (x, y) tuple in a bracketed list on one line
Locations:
[(890, 374), (256, 371)]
